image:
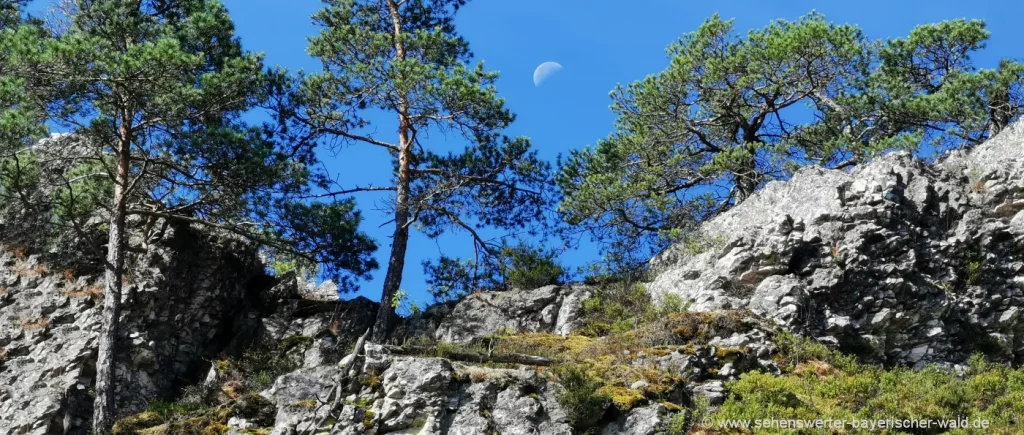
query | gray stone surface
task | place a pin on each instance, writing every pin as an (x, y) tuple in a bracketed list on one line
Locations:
[(551, 309), (391, 394), (49, 326), (898, 261), (646, 420), (324, 331)]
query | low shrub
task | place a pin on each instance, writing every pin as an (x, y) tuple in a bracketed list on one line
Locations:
[(857, 393), (617, 307), (582, 398)]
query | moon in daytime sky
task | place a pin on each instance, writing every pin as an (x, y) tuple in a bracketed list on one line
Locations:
[(544, 71)]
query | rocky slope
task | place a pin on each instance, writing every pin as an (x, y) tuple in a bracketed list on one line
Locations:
[(898, 262)]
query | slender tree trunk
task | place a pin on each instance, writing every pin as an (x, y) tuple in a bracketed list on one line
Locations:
[(396, 265), (747, 176), (400, 239), (104, 407)]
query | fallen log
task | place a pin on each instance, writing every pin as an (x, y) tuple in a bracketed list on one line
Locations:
[(505, 358)]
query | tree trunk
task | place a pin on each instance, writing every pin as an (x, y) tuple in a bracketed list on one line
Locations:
[(1000, 111), (104, 406), (400, 240), (396, 264), (747, 176)]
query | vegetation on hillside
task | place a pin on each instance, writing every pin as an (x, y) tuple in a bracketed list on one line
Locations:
[(603, 377), (733, 111), (521, 266), (155, 93)]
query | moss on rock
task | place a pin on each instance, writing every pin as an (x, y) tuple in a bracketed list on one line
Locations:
[(132, 424)]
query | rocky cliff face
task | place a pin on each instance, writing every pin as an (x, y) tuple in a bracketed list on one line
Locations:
[(180, 308), (897, 261)]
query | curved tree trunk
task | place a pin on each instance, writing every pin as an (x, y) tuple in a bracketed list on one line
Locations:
[(400, 240), (1000, 111), (104, 410)]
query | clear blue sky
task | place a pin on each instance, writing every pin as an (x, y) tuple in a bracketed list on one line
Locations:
[(599, 43)]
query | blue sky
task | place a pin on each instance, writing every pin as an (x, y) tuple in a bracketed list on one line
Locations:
[(599, 43)]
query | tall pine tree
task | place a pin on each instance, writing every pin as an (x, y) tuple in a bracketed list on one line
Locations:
[(405, 58), (155, 90)]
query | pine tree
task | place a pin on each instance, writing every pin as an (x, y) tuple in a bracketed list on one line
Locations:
[(20, 119), (406, 59), (156, 89), (732, 112)]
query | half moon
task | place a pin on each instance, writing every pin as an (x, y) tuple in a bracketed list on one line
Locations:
[(544, 71)]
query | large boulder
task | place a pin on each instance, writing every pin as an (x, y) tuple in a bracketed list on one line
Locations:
[(551, 309), (899, 260)]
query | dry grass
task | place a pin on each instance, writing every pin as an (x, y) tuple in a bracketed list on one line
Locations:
[(26, 271), (673, 331), (92, 291), (620, 360), (820, 368), (334, 328), (477, 374), (837, 254), (36, 324)]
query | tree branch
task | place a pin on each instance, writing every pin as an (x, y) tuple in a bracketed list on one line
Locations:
[(353, 190)]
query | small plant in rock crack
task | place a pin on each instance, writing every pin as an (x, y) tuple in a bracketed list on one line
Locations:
[(977, 182), (696, 244), (837, 255), (973, 268)]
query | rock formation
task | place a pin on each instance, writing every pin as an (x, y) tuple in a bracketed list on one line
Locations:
[(552, 309), (898, 262), (49, 322)]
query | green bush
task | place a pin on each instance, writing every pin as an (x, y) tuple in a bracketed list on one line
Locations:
[(973, 267), (618, 307), (987, 391), (581, 399), (259, 367), (683, 422), (793, 350), (529, 268)]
